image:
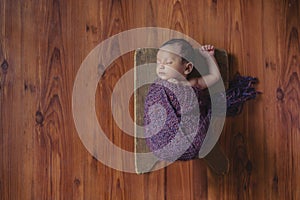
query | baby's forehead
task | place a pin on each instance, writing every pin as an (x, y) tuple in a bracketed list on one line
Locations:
[(171, 48)]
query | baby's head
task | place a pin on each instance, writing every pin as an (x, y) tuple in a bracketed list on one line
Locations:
[(175, 59)]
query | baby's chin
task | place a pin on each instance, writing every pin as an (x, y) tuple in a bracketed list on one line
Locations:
[(163, 77), (167, 77)]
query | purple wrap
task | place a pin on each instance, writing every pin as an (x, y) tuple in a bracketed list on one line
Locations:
[(176, 119)]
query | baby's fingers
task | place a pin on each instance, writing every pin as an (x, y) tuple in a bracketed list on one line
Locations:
[(208, 48)]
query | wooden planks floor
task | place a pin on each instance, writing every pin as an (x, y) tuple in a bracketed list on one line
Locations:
[(43, 43)]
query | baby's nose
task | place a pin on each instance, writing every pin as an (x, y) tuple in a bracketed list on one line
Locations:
[(160, 65)]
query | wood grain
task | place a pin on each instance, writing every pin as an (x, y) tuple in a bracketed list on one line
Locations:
[(43, 43)]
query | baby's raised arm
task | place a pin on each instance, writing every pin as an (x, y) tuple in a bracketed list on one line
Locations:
[(214, 75)]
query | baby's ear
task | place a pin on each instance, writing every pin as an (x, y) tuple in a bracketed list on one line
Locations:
[(188, 68)]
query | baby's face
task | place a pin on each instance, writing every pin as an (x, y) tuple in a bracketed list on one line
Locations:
[(169, 65)]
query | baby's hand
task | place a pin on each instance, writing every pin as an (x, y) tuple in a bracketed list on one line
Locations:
[(193, 82), (197, 82), (185, 82), (207, 49), (173, 80)]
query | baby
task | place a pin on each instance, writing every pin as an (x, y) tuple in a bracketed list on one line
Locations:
[(175, 61), (177, 109)]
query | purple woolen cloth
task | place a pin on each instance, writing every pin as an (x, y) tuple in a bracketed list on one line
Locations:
[(176, 119)]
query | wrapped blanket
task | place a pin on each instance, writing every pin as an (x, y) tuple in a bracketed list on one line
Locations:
[(177, 117)]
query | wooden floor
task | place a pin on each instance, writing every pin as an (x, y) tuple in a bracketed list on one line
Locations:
[(42, 45)]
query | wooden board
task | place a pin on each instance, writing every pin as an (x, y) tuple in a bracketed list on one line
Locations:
[(42, 45)]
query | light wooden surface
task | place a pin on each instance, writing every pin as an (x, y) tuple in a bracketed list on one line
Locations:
[(43, 43)]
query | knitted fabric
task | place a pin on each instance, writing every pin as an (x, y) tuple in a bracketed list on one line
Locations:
[(177, 117)]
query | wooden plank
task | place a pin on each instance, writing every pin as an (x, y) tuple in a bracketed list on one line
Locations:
[(11, 110), (247, 161), (283, 72)]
